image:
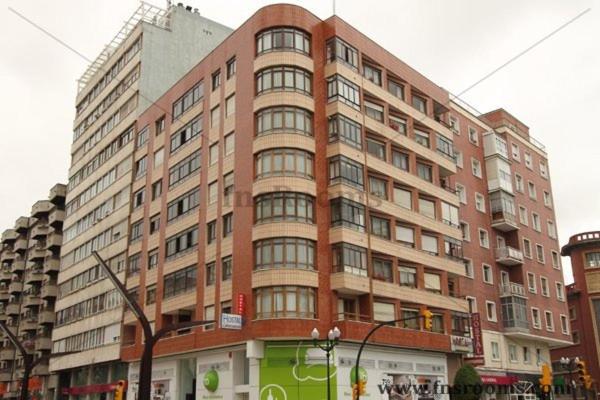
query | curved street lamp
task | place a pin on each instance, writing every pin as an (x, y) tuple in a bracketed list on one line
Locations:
[(327, 345)]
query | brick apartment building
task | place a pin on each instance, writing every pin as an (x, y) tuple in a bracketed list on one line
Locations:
[(29, 255), (584, 303), (353, 189)]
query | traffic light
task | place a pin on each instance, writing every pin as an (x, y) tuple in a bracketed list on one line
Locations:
[(427, 319), (584, 377), (362, 387), (120, 390), (546, 379)]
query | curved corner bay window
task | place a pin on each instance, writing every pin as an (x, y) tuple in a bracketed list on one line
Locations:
[(287, 252), (344, 170), (344, 129), (286, 78), (284, 206), (347, 213), (284, 162), (285, 302), (284, 120), (283, 39)]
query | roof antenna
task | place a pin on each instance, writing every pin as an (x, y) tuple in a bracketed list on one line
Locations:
[(333, 7)]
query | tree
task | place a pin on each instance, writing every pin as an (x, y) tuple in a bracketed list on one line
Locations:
[(467, 384)]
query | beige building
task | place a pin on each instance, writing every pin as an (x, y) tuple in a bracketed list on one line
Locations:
[(28, 275), (151, 52)]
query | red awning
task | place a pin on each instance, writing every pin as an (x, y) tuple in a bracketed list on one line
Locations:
[(89, 389), (498, 380)]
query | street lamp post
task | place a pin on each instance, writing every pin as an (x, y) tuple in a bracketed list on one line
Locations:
[(568, 363), (145, 375), (28, 360), (333, 338)]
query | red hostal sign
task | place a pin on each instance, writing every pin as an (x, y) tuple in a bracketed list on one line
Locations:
[(477, 336)]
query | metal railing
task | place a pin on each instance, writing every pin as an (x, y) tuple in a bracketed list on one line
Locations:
[(509, 252)]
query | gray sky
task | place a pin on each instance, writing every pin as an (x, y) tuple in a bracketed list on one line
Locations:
[(554, 88)]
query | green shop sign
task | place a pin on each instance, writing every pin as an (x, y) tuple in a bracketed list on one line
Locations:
[(211, 380)]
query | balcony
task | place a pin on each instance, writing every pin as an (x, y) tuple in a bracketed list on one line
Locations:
[(51, 265), (34, 276), (41, 208), (349, 283), (32, 300), (46, 317), (22, 224), (503, 212), (56, 218), (29, 324), (58, 193), (5, 274), (41, 370), (15, 287), (509, 256), (54, 241), (512, 289), (5, 375), (7, 256), (13, 309), (43, 343), (39, 231), (49, 290), (4, 295), (514, 313), (20, 245), (9, 236), (7, 354), (37, 253), (18, 266)]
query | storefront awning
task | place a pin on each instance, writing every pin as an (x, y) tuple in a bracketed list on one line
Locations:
[(498, 379)]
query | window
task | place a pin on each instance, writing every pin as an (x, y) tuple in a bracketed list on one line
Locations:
[(213, 154), (229, 106), (154, 223), (551, 229), (185, 102), (184, 168), (283, 39), (572, 313), (555, 259), (228, 187), (374, 111), (461, 191), (215, 80), (484, 240), (215, 116), (284, 162), (382, 270), (159, 156), (526, 355), (403, 198), (539, 252), (473, 136), (549, 321), (380, 227), (410, 317), (445, 147), (349, 258), (437, 323), (183, 136), (545, 290), (209, 315), (429, 244), (376, 148), (152, 259), (476, 167), (231, 67), (372, 74), (142, 137), (516, 155), (182, 242), (284, 120), (408, 276), (179, 282), (523, 218), (346, 130), (458, 157), (543, 170), (284, 206), (527, 248), (400, 160), (405, 235), (378, 187), (564, 324), (535, 222), (420, 103), (592, 259), (531, 283), (140, 167), (286, 252), (531, 190), (490, 308), (151, 294), (213, 193), (432, 282), (345, 212), (512, 353), (479, 202), (211, 232), (159, 125), (422, 138), (211, 273), (137, 230), (138, 198), (519, 185), (284, 78), (341, 89), (396, 89), (229, 144), (466, 231), (183, 204), (576, 339), (397, 124), (338, 50), (344, 170), (547, 199), (133, 266), (427, 207), (528, 160), (425, 172), (560, 291), (227, 224), (383, 311), (226, 268), (285, 302), (488, 276)]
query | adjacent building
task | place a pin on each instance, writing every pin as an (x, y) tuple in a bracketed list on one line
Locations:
[(584, 303), (29, 257), (152, 51)]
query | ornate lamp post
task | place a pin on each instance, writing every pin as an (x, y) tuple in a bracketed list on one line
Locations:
[(569, 364), (327, 345)]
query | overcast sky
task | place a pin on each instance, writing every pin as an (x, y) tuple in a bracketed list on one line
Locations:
[(554, 88)]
